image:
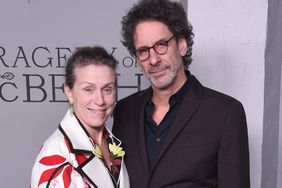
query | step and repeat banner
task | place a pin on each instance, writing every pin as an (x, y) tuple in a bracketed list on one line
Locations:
[(37, 36)]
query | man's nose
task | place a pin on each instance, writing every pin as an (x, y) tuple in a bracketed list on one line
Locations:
[(154, 58)]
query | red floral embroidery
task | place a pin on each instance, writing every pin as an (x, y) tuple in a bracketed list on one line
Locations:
[(45, 176), (80, 158), (67, 175), (52, 160)]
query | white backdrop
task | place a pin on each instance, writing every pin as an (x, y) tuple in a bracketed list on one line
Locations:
[(229, 57), (36, 36)]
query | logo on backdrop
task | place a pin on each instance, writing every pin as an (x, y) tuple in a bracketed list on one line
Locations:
[(37, 75)]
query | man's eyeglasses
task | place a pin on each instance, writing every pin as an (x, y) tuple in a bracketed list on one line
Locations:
[(159, 47)]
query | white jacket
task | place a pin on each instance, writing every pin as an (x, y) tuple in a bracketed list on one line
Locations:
[(67, 160)]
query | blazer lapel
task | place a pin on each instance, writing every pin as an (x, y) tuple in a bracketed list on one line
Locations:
[(77, 138), (140, 134), (79, 143), (188, 107)]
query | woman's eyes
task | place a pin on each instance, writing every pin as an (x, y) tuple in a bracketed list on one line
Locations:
[(106, 90), (89, 90)]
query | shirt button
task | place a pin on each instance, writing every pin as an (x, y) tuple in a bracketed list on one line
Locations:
[(158, 139)]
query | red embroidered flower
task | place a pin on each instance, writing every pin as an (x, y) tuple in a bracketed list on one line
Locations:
[(55, 160)]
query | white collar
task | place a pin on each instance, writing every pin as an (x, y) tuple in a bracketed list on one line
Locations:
[(76, 135)]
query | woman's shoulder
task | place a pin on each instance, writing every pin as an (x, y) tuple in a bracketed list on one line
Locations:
[(56, 144)]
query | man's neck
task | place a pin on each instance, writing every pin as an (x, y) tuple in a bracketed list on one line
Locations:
[(161, 96)]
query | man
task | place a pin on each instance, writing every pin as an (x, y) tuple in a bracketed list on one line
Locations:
[(177, 133)]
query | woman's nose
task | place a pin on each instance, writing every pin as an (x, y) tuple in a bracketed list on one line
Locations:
[(98, 98)]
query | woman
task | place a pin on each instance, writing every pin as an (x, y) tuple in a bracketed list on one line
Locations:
[(82, 152)]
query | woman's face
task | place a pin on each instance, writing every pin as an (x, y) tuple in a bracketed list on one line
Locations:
[(93, 95)]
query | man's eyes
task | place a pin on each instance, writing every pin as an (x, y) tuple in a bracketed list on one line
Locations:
[(161, 43), (142, 50)]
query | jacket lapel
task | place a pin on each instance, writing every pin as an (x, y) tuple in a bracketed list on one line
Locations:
[(140, 134), (76, 136), (188, 107), (79, 143)]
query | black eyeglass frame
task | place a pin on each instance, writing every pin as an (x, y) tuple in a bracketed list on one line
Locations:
[(147, 49)]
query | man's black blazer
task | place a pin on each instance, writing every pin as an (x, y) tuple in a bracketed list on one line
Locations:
[(206, 146)]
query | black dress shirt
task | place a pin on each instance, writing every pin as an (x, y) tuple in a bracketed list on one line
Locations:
[(156, 134)]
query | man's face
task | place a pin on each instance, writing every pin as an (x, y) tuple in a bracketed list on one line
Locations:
[(162, 70)]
